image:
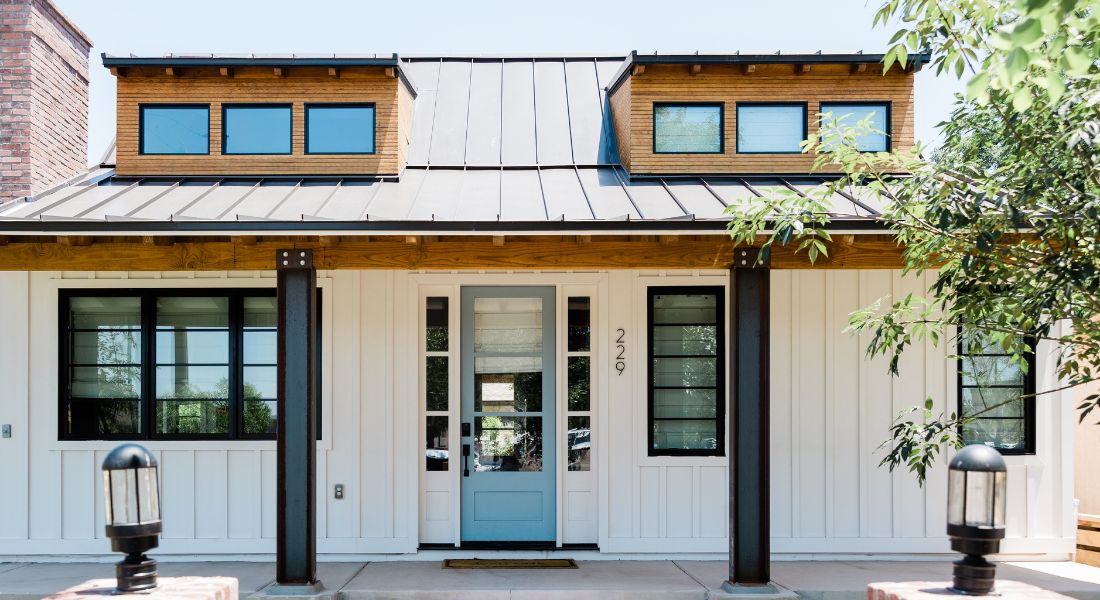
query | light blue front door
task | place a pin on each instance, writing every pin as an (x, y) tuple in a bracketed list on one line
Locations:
[(508, 414)]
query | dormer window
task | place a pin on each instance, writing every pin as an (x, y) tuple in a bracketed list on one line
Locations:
[(339, 129), (836, 115), (256, 129), (770, 128), (687, 128), (175, 129)]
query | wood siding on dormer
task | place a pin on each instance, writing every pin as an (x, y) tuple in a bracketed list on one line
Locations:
[(393, 105), (729, 84)]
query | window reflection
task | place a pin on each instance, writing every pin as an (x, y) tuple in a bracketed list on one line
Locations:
[(192, 365), (579, 442), (437, 454), (503, 443)]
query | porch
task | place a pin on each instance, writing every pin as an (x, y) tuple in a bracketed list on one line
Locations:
[(676, 579)]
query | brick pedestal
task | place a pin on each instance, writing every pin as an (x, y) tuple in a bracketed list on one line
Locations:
[(937, 590), (168, 588)]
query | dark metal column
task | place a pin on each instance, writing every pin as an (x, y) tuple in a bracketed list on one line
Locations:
[(748, 420), (296, 552)]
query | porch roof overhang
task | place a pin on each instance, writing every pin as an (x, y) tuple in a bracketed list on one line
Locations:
[(572, 200)]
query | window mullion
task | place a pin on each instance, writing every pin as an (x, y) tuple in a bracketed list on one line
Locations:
[(148, 358), (236, 405)]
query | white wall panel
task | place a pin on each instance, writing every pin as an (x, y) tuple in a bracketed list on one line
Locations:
[(14, 402), (211, 494)]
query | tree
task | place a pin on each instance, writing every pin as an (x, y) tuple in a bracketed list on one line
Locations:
[(1006, 212)]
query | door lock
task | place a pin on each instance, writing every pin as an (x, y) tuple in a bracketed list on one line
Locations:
[(466, 430), (465, 459)]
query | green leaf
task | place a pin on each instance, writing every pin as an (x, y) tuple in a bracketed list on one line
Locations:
[(1021, 99), (1027, 32), (1076, 60), (1016, 65), (903, 55), (978, 87), (1055, 87)]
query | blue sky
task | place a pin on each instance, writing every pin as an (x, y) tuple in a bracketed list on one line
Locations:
[(153, 27)]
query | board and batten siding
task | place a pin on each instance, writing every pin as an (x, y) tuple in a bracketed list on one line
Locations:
[(632, 109), (393, 117), (830, 410)]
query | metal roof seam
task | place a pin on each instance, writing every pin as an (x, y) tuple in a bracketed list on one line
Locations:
[(416, 194), (237, 203), (858, 203), (500, 130), (108, 199), (629, 196), (587, 200), (568, 114), (435, 109), (542, 193), (157, 196), (179, 212), (674, 198), (466, 134), (364, 215), (750, 188), (324, 203), (535, 124), (714, 193), (286, 197), (42, 209)]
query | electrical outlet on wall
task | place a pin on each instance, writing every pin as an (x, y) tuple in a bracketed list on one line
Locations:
[(5, 430), (338, 491)]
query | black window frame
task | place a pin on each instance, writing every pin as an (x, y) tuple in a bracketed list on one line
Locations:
[(225, 107), (720, 358), (721, 106), (374, 126), (148, 328), (141, 127), (737, 125), (889, 132), (1028, 390)]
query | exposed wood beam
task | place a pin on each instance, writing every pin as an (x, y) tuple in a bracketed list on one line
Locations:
[(749, 69), (696, 69), (637, 70), (3, 240), (158, 240), (225, 71), (391, 72), (668, 240), (397, 252), (584, 239), (860, 68), (802, 69), (333, 72), (498, 240), (278, 72), (118, 71), (75, 240), (244, 240), (170, 71), (428, 239)]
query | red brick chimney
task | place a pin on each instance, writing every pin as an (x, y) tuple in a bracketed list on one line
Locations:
[(43, 97)]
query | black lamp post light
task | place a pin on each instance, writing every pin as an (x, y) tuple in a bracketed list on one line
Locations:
[(132, 501), (976, 515)]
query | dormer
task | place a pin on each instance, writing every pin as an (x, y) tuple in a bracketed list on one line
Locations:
[(261, 115), (692, 114)]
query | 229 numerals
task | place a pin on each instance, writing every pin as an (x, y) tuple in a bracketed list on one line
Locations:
[(620, 346)]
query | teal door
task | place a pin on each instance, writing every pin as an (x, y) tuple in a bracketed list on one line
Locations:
[(508, 414)]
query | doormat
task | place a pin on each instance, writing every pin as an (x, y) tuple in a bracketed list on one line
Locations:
[(509, 563)]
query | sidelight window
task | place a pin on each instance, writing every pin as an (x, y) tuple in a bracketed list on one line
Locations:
[(994, 390)]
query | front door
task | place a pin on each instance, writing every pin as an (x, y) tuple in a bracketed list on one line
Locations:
[(508, 414)]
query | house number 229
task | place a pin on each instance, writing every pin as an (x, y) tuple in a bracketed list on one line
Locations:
[(620, 348)]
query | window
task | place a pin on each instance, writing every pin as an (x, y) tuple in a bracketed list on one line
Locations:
[(579, 383), (687, 128), (770, 128), (256, 129), (686, 371), (339, 129), (991, 390), (167, 364), (174, 129), (437, 386), (850, 114)]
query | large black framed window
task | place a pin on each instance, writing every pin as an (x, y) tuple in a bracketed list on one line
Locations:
[(256, 128), (771, 127), (836, 115), (168, 364), (999, 396), (686, 371), (174, 129), (340, 128), (688, 127)]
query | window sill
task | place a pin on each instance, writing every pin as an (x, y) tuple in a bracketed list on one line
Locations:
[(155, 445)]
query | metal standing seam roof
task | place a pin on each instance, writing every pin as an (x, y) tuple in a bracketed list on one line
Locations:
[(497, 144)]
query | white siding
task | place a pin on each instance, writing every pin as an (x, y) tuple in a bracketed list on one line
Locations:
[(830, 410)]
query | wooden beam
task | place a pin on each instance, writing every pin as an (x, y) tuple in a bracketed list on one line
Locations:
[(584, 239), (404, 253), (749, 69), (158, 240), (75, 240), (668, 240), (637, 70), (391, 72), (3, 240), (498, 240), (225, 71), (244, 240), (801, 69), (170, 71), (118, 71), (696, 69), (333, 72), (278, 72), (860, 68)]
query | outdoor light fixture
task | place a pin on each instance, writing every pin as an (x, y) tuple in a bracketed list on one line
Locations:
[(132, 501), (976, 515)]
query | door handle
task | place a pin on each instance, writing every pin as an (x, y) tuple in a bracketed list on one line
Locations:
[(465, 459)]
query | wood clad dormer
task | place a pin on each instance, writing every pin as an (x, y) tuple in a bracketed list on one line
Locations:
[(295, 83), (725, 82)]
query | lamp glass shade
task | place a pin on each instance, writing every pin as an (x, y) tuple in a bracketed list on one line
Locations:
[(131, 497), (956, 499), (1000, 482), (979, 499)]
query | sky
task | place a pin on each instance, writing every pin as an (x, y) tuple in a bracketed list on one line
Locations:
[(156, 27)]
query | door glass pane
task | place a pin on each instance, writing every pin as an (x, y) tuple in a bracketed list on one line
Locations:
[(684, 309), (505, 443), (508, 392), (684, 372), (579, 390), (508, 325), (685, 340), (580, 444), (991, 370), (689, 403), (92, 312), (106, 382), (580, 320), (436, 382), (436, 326), (437, 453)]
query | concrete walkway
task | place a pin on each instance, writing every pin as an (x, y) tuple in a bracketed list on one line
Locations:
[(598, 579)]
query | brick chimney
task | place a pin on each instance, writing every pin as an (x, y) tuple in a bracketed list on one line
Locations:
[(43, 97)]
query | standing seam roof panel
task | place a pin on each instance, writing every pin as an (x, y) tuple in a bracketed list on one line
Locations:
[(420, 140), (479, 198), (517, 143), (306, 200), (349, 201), (654, 201), (483, 129), (606, 194), (521, 196), (564, 195), (585, 112), (437, 195), (552, 135), (448, 145), (697, 199)]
